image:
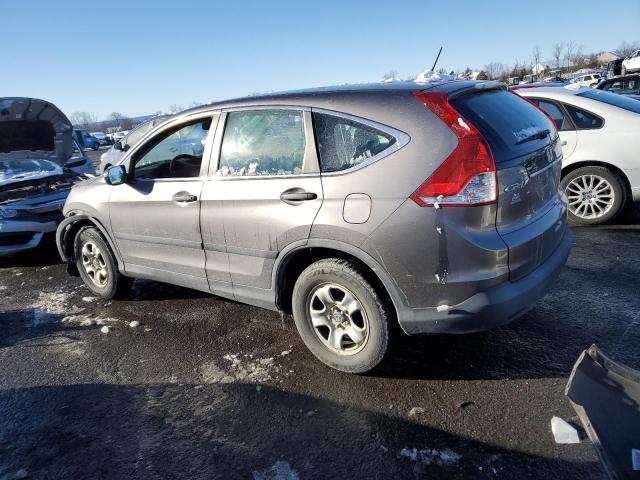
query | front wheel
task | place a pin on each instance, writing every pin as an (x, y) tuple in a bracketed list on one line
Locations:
[(97, 265), (96, 146), (340, 316), (595, 194)]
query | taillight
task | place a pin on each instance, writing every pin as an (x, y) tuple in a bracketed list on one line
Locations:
[(468, 176)]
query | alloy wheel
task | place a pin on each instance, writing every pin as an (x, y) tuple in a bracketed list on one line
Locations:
[(590, 196), (94, 264), (338, 318)]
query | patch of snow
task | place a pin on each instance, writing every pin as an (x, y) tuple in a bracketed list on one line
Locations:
[(18, 274), (134, 324), (281, 470), (2, 287), (105, 329), (89, 299), (284, 353), (563, 432), (431, 456), (525, 133), (431, 76), (240, 369), (416, 411)]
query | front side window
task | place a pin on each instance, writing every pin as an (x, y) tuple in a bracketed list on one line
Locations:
[(584, 120), (178, 153), (343, 143), (262, 143)]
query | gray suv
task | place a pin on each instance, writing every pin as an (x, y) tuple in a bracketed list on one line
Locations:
[(436, 207)]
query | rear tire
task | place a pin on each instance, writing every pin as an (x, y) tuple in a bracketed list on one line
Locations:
[(97, 265), (596, 195), (340, 317)]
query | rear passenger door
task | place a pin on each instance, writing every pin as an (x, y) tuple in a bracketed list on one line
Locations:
[(264, 188)]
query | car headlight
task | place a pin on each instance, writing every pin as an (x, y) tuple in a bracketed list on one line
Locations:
[(7, 213)]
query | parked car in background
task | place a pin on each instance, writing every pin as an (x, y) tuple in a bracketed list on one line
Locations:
[(86, 140), (114, 154), (437, 206), (37, 170), (631, 63), (531, 78), (119, 135), (587, 80), (600, 133), (624, 85), (102, 137)]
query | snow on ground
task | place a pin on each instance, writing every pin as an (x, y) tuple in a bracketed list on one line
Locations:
[(281, 470), (427, 456), (242, 368)]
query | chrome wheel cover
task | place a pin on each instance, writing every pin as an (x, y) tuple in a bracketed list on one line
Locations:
[(94, 264), (338, 318), (590, 196)]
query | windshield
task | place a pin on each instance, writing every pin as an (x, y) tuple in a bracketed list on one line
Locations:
[(612, 99), (12, 170), (138, 133)]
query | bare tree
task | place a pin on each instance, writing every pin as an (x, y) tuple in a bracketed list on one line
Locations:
[(175, 108), (570, 50), (390, 75), (494, 70), (557, 53), (536, 54), (627, 48), (120, 121), (85, 120)]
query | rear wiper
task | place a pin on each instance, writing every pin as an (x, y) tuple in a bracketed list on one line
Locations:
[(536, 136)]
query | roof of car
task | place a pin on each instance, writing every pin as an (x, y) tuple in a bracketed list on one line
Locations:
[(287, 96), (568, 90)]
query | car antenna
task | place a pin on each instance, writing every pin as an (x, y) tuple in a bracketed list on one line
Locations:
[(433, 69)]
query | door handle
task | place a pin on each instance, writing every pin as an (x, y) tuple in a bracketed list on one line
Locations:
[(294, 196), (184, 197)]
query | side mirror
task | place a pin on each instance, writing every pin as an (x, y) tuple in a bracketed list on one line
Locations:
[(116, 175), (117, 145), (126, 147)]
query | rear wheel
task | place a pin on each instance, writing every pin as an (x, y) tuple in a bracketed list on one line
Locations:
[(97, 265), (340, 316), (595, 194)]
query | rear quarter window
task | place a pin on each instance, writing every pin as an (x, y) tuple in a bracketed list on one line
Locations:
[(344, 143), (505, 120)]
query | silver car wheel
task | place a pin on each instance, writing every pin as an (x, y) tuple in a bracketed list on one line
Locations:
[(94, 264), (590, 196), (338, 319)]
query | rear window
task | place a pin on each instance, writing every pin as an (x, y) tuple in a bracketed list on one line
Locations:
[(507, 122), (613, 99), (26, 135)]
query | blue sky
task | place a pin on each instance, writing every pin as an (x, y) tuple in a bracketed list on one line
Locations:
[(139, 57)]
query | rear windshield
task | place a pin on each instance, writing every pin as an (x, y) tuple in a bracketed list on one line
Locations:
[(26, 135), (613, 99), (509, 123)]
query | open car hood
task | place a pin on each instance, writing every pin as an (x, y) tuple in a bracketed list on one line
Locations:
[(34, 129)]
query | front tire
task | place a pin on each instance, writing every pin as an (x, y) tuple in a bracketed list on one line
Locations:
[(596, 195), (97, 265), (340, 316)]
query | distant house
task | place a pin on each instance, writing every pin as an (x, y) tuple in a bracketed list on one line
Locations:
[(606, 57), (538, 69)]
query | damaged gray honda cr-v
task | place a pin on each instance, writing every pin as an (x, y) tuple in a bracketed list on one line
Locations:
[(434, 206), (37, 170)]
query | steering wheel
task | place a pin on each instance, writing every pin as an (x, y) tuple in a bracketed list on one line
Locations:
[(184, 165)]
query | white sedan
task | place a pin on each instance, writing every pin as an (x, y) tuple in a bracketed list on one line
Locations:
[(600, 135)]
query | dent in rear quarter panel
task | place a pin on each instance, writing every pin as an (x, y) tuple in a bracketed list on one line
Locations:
[(440, 256)]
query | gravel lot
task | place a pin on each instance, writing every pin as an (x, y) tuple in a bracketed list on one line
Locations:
[(208, 388)]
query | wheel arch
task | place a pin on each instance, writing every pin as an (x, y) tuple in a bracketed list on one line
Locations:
[(296, 259), (66, 234)]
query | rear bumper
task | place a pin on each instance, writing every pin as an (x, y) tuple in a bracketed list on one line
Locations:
[(495, 306), (17, 236)]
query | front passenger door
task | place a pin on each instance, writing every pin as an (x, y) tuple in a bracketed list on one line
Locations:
[(155, 215)]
